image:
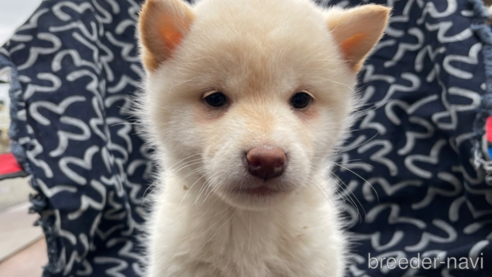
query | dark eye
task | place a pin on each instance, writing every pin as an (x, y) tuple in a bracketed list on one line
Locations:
[(300, 100), (217, 99)]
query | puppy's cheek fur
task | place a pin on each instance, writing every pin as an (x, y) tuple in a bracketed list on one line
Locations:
[(210, 124), (204, 115), (182, 135), (310, 121), (310, 115)]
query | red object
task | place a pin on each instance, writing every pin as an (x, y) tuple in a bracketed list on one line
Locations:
[(9, 167), (488, 129)]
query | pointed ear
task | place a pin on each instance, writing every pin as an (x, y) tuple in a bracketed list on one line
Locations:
[(162, 26), (357, 30)]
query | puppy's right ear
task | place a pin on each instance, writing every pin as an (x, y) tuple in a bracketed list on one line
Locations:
[(162, 26)]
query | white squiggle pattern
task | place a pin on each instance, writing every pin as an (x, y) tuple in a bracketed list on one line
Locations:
[(411, 155)]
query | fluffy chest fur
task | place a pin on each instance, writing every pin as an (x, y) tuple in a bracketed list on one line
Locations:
[(298, 239)]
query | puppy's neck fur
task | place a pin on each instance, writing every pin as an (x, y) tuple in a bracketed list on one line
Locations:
[(213, 238)]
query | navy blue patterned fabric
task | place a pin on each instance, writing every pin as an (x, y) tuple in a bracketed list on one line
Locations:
[(74, 66), (414, 176), (413, 166)]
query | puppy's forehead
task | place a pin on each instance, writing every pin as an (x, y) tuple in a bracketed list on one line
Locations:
[(259, 17), (259, 45)]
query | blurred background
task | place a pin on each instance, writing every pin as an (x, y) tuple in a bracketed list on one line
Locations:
[(22, 249), (22, 246), (12, 14)]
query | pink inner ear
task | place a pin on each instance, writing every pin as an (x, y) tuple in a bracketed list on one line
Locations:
[(350, 47), (171, 37), (169, 33)]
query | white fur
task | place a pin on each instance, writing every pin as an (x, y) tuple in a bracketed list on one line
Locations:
[(259, 53)]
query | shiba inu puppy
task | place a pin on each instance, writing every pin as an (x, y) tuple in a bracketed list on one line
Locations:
[(244, 101)]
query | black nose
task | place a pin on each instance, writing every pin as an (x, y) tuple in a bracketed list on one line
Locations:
[(266, 163)]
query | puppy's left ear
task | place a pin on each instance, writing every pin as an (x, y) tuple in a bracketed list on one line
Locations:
[(357, 31), (163, 24)]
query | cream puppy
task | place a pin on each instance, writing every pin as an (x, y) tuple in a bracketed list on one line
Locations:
[(244, 102)]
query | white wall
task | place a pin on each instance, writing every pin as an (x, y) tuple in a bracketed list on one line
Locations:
[(4, 112), (12, 14)]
